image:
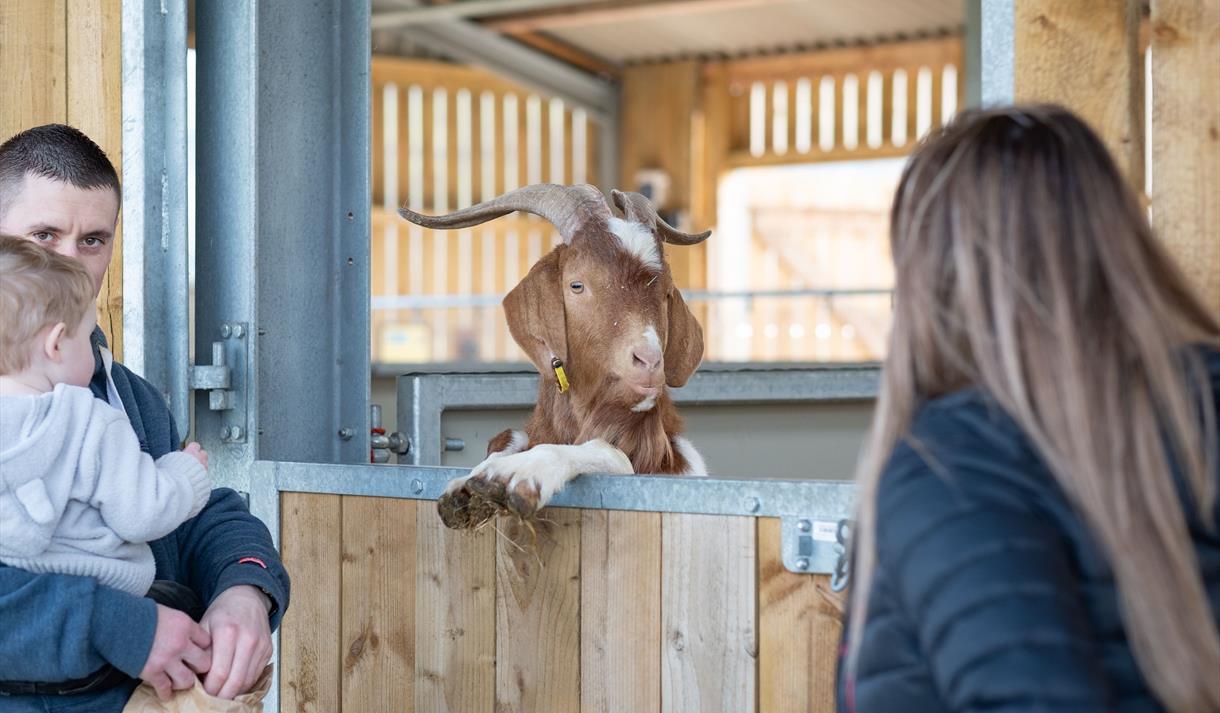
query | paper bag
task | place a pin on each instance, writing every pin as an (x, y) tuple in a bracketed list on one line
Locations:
[(197, 700)]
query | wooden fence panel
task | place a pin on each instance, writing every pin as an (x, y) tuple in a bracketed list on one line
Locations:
[(538, 615), (799, 633), (378, 577), (609, 611), (455, 613), (708, 617), (310, 643), (620, 611)]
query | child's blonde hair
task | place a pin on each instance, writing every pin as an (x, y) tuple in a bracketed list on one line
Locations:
[(38, 288)]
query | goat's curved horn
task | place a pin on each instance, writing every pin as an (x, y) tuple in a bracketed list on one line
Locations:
[(639, 209), (566, 207)]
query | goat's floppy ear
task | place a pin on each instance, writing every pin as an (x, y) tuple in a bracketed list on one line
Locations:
[(536, 316), (684, 345)]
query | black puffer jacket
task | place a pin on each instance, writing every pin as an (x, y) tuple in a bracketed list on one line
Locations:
[(990, 594)]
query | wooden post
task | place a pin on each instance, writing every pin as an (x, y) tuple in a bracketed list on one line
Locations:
[(1186, 137), (1085, 55), (60, 62), (658, 103)]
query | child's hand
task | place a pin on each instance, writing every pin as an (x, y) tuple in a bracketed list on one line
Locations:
[(196, 451)]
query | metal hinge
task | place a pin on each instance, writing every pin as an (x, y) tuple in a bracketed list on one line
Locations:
[(225, 379), (813, 546)]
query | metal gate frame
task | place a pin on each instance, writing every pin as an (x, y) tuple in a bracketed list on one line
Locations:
[(284, 261)]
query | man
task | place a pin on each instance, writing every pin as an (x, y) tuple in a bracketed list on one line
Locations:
[(68, 636)]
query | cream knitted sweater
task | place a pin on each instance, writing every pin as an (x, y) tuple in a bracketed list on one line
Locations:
[(78, 496)]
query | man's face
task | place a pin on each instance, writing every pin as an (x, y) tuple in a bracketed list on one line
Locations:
[(74, 222)]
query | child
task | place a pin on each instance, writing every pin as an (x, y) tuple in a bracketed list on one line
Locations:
[(77, 495)]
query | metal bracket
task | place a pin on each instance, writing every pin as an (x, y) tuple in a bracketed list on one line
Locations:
[(813, 546), (225, 379)]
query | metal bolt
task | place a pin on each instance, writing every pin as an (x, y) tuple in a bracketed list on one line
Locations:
[(239, 331), (802, 563), (226, 433), (237, 433), (417, 486), (225, 331), (346, 433), (804, 526), (455, 444), (753, 504)]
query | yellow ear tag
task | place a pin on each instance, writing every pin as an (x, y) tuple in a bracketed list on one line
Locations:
[(560, 374)]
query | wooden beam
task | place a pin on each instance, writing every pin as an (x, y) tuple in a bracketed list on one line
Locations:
[(34, 56), (565, 52), (94, 105), (617, 12), (1186, 137), (1085, 56), (61, 62), (881, 57)]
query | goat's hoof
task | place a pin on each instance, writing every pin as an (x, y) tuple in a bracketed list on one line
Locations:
[(523, 501), (461, 510), (488, 489)]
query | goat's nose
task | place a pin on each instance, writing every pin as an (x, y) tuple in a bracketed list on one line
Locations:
[(646, 357)]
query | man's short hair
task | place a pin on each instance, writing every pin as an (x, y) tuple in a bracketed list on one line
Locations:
[(38, 289), (58, 152)]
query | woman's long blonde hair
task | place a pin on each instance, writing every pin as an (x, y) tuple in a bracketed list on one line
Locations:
[(1026, 267)]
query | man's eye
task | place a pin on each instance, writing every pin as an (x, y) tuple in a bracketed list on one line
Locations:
[(42, 236), (93, 242)]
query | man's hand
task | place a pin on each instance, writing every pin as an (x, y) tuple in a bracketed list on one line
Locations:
[(178, 653), (241, 640)]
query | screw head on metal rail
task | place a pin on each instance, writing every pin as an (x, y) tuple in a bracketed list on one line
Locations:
[(346, 433), (802, 563), (804, 526), (226, 433), (417, 486), (237, 433), (753, 504), (225, 330), (239, 331)]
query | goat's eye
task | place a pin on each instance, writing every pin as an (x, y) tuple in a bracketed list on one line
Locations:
[(577, 287)]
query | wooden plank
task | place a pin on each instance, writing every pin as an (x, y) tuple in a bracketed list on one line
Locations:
[(887, 108), (311, 527), (841, 60), (658, 101), (708, 618), (569, 53), (94, 105), (1186, 137), (1085, 56), (538, 616), (378, 597), (620, 612), (799, 632), (430, 74), (33, 53), (455, 615), (614, 12), (742, 159)]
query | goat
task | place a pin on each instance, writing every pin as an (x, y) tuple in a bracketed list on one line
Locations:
[(601, 320)]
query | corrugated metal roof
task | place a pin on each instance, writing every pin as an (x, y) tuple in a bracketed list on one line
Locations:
[(727, 28)]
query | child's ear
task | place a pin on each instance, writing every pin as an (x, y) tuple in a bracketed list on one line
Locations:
[(51, 344)]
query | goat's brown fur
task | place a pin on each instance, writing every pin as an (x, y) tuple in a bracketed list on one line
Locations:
[(589, 303)]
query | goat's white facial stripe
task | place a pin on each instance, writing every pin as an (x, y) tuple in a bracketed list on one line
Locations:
[(650, 336), (638, 241)]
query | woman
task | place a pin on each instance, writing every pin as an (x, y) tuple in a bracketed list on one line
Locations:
[(1038, 498)]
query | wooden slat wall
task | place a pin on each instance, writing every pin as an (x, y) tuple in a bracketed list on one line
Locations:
[(467, 161), (775, 80), (612, 611), (60, 63)]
